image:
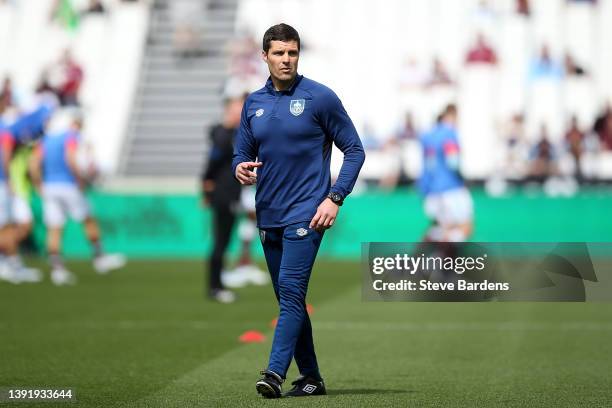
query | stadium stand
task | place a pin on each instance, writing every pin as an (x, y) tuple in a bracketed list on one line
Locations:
[(178, 94), (362, 44), (155, 73), (108, 47)]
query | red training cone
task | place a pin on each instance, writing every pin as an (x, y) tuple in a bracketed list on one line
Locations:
[(309, 309), (252, 336)]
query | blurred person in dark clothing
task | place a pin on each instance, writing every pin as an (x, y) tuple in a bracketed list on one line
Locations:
[(7, 97), (572, 68), (44, 85), (543, 158), (603, 128), (574, 137), (222, 193), (95, 7)]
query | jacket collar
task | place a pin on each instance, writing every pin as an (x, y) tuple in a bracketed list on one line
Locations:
[(270, 85)]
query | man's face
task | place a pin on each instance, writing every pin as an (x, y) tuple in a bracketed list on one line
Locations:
[(282, 59), (451, 118)]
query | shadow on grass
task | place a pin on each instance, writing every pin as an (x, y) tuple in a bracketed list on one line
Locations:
[(366, 391)]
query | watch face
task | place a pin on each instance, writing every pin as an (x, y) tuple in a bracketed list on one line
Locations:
[(335, 197)]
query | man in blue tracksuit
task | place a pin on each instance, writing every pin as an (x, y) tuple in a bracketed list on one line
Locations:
[(286, 133)]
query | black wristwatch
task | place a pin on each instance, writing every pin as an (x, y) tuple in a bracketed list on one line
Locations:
[(336, 198)]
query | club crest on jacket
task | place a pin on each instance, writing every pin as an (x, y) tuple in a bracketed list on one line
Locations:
[(296, 106)]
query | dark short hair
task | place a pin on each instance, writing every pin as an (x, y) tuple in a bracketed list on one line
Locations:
[(280, 32), (450, 109)]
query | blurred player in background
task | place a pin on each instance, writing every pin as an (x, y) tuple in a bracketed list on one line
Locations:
[(22, 191), (21, 209), (8, 244), (17, 215), (28, 127), (222, 194), (227, 200), (448, 202), (55, 170)]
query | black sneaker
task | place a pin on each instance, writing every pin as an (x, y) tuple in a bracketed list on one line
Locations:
[(270, 384), (306, 386)]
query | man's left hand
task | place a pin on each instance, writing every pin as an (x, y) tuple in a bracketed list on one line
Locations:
[(325, 216)]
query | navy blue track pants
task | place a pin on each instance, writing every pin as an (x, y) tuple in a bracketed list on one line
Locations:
[(290, 253)]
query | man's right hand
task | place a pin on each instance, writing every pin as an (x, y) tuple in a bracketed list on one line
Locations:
[(245, 173)]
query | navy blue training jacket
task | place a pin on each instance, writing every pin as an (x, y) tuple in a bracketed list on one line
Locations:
[(291, 132)]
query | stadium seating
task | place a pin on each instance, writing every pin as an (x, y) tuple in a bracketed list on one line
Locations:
[(355, 42), (178, 96), (108, 47), (358, 42), (7, 22), (116, 90)]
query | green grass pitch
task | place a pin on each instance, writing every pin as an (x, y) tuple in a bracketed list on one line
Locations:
[(145, 337)]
